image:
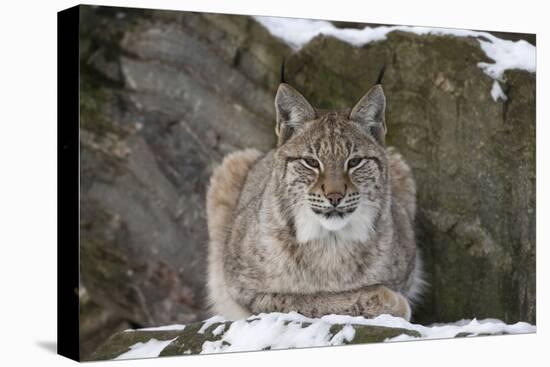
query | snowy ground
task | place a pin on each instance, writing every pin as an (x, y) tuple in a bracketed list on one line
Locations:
[(292, 330), (505, 54)]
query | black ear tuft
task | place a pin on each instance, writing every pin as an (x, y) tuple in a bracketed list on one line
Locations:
[(381, 74), (283, 71)]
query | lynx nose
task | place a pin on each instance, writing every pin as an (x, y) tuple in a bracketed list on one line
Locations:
[(335, 198)]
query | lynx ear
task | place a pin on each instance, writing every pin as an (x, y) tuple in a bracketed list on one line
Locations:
[(292, 111), (369, 112)]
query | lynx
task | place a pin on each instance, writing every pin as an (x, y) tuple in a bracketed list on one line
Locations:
[(321, 224)]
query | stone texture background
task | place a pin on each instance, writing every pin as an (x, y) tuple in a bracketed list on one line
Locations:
[(165, 95)]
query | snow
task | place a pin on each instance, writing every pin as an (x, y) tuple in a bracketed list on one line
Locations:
[(438, 331), (209, 322), (160, 328), (505, 54), (496, 92), (281, 331), (292, 330), (346, 334), (273, 331), (218, 330), (149, 349)]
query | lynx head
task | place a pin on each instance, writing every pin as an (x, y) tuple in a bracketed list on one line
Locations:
[(331, 165)]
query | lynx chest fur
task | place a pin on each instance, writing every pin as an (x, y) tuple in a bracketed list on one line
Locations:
[(321, 224)]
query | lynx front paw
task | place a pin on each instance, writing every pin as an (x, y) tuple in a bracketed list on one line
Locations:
[(377, 300)]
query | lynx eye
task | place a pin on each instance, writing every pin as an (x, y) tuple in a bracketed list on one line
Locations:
[(313, 163), (354, 162)]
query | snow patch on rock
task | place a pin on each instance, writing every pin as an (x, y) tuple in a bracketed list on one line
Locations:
[(505, 54), (292, 330), (497, 92), (149, 349), (209, 322)]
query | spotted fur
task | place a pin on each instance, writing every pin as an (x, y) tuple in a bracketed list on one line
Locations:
[(321, 224)]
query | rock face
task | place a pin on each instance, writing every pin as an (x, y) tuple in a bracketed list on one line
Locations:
[(165, 95)]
